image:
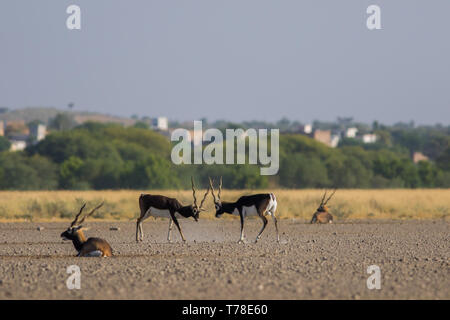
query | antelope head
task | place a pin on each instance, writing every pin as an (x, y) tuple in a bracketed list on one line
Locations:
[(74, 232), (196, 209)]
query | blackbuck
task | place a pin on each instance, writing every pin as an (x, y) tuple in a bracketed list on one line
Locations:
[(254, 205), (92, 247), (164, 207), (322, 215)]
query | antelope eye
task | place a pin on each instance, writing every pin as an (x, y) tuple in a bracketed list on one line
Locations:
[(217, 207)]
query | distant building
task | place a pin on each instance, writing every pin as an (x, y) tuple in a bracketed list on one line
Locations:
[(306, 129), (18, 145), (18, 142), (369, 138), (323, 136), (160, 123), (419, 156), (351, 132), (38, 132), (2, 128), (16, 127), (335, 138)]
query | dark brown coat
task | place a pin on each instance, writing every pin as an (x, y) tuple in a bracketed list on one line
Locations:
[(87, 248), (322, 216)]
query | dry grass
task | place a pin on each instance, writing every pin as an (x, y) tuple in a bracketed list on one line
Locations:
[(123, 205)]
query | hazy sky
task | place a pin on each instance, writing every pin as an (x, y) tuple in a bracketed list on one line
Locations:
[(230, 59)]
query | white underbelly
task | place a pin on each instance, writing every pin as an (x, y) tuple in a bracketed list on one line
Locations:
[(252, 211), (249, 211), (160, 213), (96, 253)]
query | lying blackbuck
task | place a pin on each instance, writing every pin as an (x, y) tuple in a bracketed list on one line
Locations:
[(92, 247), (322, 215), (164, 207), (254, 205)]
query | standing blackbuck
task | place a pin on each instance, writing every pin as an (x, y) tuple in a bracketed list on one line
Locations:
[(92, 247), (254, 205), (164, 207), (322, 215)]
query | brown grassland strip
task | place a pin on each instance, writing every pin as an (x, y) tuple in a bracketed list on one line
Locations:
[(397, 204)]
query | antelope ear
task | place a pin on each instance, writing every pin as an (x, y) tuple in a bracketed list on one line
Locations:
[(84, 228), (201, 209)]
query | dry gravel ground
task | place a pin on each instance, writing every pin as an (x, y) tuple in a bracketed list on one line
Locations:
[(312, 262)]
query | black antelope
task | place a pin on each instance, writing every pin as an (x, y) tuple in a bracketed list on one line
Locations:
[(164, 207), (254, 205), (92, 247), (322, 215)]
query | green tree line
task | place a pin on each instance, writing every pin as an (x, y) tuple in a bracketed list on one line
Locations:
[(99, 156)]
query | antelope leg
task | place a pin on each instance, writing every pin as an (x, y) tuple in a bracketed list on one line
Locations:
[(276, 226), (141, 230), (264, 219), (138, 225), (170, 229), (179, 228), (241, 239)]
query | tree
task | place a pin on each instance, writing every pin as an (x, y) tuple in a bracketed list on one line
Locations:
[(141, 125), (384, 137), (62, 122), (427, 173), (443, 161), (409, 174), (70, 172), (300, 171), (19, 172), (5, 145)]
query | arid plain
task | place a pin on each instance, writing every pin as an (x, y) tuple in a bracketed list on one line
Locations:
[(311, 262)]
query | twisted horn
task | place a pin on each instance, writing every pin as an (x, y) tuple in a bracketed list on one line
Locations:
[(220, 188), (323, 198), (330, 196), (78, 215), (193, 191), (204, 198), (212, 189), (90, 213)]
